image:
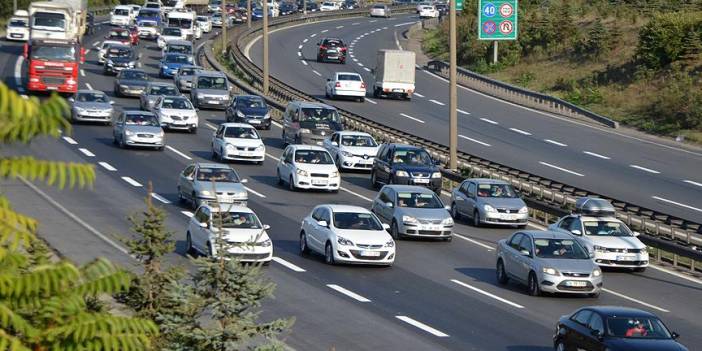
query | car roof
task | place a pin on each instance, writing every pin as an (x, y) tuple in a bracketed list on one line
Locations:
[(310, 104), (620, 311), (596, 219), (404, 146), (412, 188), (244, 209), (162, 84), (134, 70), (179, 42), (241, 125), (487, 181), (211, 73), (249, 96), (211, 165), (352, 132), (353, 73), (85, 91), (306, 147), (346, 208), (174, 97), (332, 38), (138, 112), (546, 234)]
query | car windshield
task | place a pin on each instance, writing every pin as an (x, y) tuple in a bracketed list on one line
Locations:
[(121, 12), (333, 43), (91, 97), (187, 71), (351, 77), (412, 157), (413, 199), (43, 19), (313, 156), (148, 24), (319, 114), (141, 120), (180, 49), (560, 248), (637, 328), (148, 13), (216, 16), (178, 58), (119, 34), (171, 32), (18, 23), (57, 53), (118, 52), (327, 4), (177, 104), (152, 5), (218, 83), (136, 75), (496, 190), (224, 175), (201, 19), (163, 90), (250, 102), (356, 221), (184, 23), (241, 220), (606, 228), (241, 133), (378, 7), (358, 140)]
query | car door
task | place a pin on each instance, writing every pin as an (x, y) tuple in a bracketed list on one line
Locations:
[(564, 225), (118, 126), (324, 234), (185, 181), (286, 166), (525, 258), (594, 342), (313, 231), (218, 139), (471, 198), (381, 208), (510, 256), (231, 110), (157, 108), (196, 232), (575, 336), (327, 144), (383, 170)]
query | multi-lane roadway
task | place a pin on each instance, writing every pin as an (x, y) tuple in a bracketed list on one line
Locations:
[(437, 296)]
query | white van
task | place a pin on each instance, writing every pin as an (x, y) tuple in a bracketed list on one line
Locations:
[(186, 21), (122, 15)]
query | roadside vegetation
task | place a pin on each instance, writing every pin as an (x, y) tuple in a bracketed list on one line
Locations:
[(636, 61)]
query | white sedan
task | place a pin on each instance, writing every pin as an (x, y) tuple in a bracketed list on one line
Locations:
[(329, 6), (352, 150), (176, 112), (168, 34), (238, 142), (347, 234), (308, 167), (428, 11), (346, 84), (244, 235), (103, 49)]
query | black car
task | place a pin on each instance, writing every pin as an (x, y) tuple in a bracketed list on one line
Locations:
[(119, 57), (405, 164), (614, 328), (349, 5), (251, 109), (443, 9), (131, 82), (287, 8), (331, 49)]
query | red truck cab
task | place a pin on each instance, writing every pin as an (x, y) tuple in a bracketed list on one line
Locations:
[(53, 64)]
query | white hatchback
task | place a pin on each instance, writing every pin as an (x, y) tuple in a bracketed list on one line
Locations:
[(346, 84), (347, 234), (176, 112), (308, 167), (428, 11), (238, 142), (168, 34), (103, 49), (352, 150)]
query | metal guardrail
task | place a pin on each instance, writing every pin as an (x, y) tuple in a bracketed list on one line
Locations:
[(547, 199)]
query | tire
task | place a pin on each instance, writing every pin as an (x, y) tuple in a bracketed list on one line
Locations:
[(214, 154), (476, 219), (193, 130), (560, 346), (502, 277), (454, 212), (374, 181), (304, 249), (181, 199), (594, 295), (533, 286), (394, 231), (189, 244), (328, 254), (280, 180), (122, 144), (362, 99), (375, 93), (291, 184), (521, 226), (448, 239), (193, 201), (639, 269)]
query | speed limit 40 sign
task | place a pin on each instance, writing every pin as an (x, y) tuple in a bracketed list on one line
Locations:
[(497, 20)]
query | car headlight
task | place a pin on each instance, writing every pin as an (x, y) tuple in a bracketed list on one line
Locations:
[(401, 174), (261, 148), (200, 96), (265, 243), (305, 131), (131, 64), (79, 109), (409, 219), (267, 116), (128, 132), (524, 210), (344, 241), (110, 63), (230, 147), (301, 172), (489, 208), (123, 86), (448, 221), (550, 271), (161, 133), (600, 248), (346, 153), (240, 196), (436, 175), (205, 193), (390, 244), (240, 114), (596, 273)]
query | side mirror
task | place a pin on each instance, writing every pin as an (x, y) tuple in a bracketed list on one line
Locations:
[(386, 226), (244, 181), (591, 254), (447, 207), (525, 253), (204, 224), (189, 178), (372, 70), (323, 223), (389, 204), (328, 79), (636, 233), (596, 334), (576, 232), (266, 227), (674, 335), (335, 143)]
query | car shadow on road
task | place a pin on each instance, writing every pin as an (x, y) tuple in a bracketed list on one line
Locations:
[(363, 182), (528, 348), (487, 275)]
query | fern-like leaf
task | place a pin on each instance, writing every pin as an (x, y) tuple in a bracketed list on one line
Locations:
[(10, 343), (53, 172), (21, 119)]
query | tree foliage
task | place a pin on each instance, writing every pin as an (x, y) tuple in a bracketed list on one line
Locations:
[(661, 40)]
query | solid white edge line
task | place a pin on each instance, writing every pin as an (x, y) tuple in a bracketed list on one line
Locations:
[(412, 118), (187, 213), (561, 169), (422, 326), (487, 293), (131, 181), (437, 102), (348, 293), (682, 276), (404, 24), (86, 152), (356, 194), (69, 140), (178, 152), (645, 169), (371, 101), (555, 142), (596, 155), (488, 247), (474, 140), (463, 112), (211, 126), (692, 182), (418, 94), (489, 121), (107, 166), (287, 264), (635, 300), (90, 87), (255, 192), (523, 132), (160, 198), (677, 203)]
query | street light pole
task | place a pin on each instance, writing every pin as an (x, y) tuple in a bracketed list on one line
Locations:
[(14, 6), (225, 21), (248, 13), (453, 96), (265, 47)]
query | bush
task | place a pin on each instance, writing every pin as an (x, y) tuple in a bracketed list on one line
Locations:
[(677, 106), (661, 41)]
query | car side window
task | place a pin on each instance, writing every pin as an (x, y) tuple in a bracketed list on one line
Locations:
[(220, 132), (189, 171), (383, 153), (471, 189), (596, 323), (464, 188), (582, 317), (576, 225), (514, 243), (324, 215), (383, 197), (316, 214), (565, 223), (335, 138), (200, 216), (525, 244), (289, 156)]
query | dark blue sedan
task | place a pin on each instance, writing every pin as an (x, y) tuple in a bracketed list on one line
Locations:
[(171, 63)]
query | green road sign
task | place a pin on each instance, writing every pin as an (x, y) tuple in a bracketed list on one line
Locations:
[(497, 19), (459, 5)]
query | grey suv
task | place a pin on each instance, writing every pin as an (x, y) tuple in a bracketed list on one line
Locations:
[(488, 201), (309, 122), (210, 89)]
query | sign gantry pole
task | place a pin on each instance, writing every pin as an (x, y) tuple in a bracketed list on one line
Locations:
[(453, 95)]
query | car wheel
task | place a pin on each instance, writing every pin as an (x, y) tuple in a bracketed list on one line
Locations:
[(193, 201), (560, 346), (328, 254), (376, 93), (594, 295), (640, 269), (374, 181), (210, 252), (214, 153), (533, 286), (122, 144), (501, 274), (291, 184), (394, 231), (180, 196), (522, 226), (476, 218), (189, 244), (304, 249), (448, 239), (193, 130), (280, 180), (361, 99), (454, 212)]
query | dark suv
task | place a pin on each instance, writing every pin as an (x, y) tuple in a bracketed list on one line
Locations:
[(405, 164), (331, 49)]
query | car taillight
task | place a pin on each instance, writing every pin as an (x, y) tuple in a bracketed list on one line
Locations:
[(323, 47), (363, 85), (343, 49), (338, 85)]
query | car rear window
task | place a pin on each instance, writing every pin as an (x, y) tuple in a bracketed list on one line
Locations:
[(354, 77)]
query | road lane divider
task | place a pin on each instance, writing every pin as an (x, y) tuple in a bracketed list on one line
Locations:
[(488, 294), (86, 152), (371, 101), (69, 140), (422, 326), (692, 182), (288, 265), (355, 194), (488, 247), (107, 166), (89, 86), (348, 293), (648, 170), (437, 102), (178, 152), (255, 192), (211, 126), (462, 112), (131, 181), (187, 213), (160, 198), (412, 118), (523, 132), (418, 94), (317, 73), (561, 169), (555, 142), (677, 203), (635, 300), (596, 155), (474, 140), (489, 121)]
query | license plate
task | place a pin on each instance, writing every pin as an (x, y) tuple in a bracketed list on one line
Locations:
[(421, 181), (213, 102), (254, 121), (576, 284), (398, 90), (319, 181), (370, 253), (16, 35), (508, 217), (433, 227), (179, 122), (626, 258), (331, 52)]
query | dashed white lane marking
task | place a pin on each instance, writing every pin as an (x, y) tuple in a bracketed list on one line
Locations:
[(287, 264), (355, 23), (211, 126), (69, 140), (107, 166), (371, 101), (561, 169), (418, 94), (474, 140), (89, 86), (160, 198), (304, 41), (488, 247), (255, 192), (178, 152), (82, 73), (95, 44), (555, 142), (422, 326), (326, 30), (364, 34), (299, 54), (304, 62), (404, 24), (489, 121), (317, 73), (339, 27), (299, 47), (273, 157), (412, 118), (487, 293), (385, 27), (131, 181), (523, 132), (437, 102), (86, 152), (360, 64), (356, 194), (87, 51), (313, 35), (367, 69), (373, 21), (596, 155), (692, 182), (677, 203), (635, 300), (645, 169), (355, 60), (462, 112), (187, 213), (348, 293), (352, 56)]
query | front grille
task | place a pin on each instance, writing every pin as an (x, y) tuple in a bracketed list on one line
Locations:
[(320, 175), (364, 246), (179, 118), (507, 210), (420, 175), (244, 148), (562, 286), (53, 80), (145, 135), (363, 165), (321, 132), (430, 221), (576, 275), (624, 250), (622, 263), (357, 254), (245, 256)]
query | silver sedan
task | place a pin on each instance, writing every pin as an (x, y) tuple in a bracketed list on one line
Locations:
[(488, 201), (153, 91), (211, 183), (137, 128), (91, 106)]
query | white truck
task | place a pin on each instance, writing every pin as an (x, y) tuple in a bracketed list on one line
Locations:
[(58, 19), (186, 20), (394, 74)]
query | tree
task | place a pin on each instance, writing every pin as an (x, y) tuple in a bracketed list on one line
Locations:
[(691, 50), (44, 304)]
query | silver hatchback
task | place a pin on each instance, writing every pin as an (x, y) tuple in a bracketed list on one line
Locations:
[(91, 106), (547, 261), (211, 183), (489, 201), (137, 128)]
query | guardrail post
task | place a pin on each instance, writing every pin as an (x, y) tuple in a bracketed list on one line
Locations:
[(675, 260)]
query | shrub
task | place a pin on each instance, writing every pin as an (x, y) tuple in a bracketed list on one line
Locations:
[(661, 41)]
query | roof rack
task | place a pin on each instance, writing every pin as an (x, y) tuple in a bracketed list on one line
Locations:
[(594, 206)]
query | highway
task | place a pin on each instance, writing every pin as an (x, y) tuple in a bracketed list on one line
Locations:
[(648, 172), (437, 296)]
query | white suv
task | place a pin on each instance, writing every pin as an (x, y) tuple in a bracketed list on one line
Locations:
[(308, 167)]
